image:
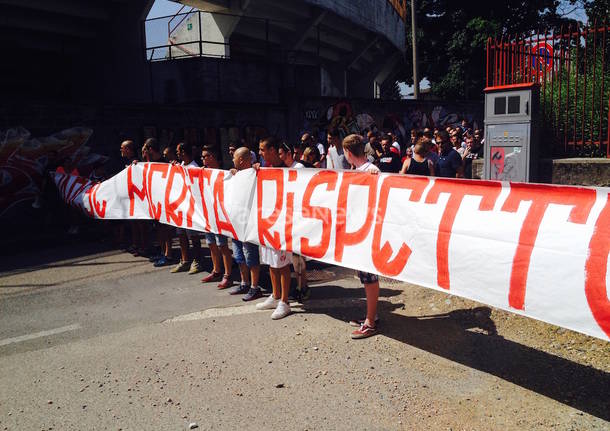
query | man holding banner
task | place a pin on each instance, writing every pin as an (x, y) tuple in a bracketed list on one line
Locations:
[(245, 253), (410, 228), (278, 260), (353, 148)]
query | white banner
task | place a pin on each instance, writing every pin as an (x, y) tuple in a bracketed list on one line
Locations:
[(536, 250)]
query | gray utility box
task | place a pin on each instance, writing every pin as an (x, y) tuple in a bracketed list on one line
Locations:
[(511, 132)]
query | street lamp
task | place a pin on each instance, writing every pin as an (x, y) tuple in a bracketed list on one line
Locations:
[(415, 65)]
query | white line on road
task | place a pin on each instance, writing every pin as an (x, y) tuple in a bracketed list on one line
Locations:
[(39, 334), (251, 308)]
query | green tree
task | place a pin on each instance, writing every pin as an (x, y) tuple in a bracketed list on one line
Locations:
[(452, 36)]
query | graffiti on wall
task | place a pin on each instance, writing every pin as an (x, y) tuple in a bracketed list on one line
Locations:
[(25, 160), (398, 119)]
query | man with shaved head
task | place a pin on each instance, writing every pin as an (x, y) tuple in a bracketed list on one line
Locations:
[(244, 253), (128, 151)]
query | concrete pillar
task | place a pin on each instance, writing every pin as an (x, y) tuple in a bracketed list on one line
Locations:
[(216, 29), (122, 55)]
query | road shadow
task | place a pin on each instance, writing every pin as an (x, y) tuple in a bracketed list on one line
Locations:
[(469, 337)]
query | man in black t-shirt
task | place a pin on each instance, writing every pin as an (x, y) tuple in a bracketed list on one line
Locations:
[(474, 150), (389, 160)]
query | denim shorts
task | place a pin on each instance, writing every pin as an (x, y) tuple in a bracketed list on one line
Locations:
[(212, 238), (367, 277), (245, 252)]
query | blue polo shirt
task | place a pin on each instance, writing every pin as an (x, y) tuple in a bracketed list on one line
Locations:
[(448, 164)]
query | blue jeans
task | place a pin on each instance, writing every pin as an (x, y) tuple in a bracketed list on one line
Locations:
[(245, 252)]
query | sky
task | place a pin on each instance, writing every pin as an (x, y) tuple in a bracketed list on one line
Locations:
[(163, 8)]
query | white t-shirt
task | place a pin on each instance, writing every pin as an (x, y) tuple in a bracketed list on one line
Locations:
[(192, 164), (396, 145), (321, 148), (368, 167), (297, 165)]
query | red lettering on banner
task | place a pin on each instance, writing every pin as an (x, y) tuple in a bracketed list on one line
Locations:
[(489, 192), (289, 220), (343, 237), (90, 210), (170, 207), (155, 210), (540, 196), (100, 210), (292, 176), (264, 224), (133, 191), (219, 200), (204, 174), (192, 174), (320, 213), (381, 255), (596, 269)]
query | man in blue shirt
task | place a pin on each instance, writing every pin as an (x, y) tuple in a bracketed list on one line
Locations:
[(449, 163)]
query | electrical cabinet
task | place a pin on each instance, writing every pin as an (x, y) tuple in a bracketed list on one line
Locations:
[(511, 133)]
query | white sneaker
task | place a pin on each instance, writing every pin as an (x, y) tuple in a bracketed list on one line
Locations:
[(268, 304), (282, 310)]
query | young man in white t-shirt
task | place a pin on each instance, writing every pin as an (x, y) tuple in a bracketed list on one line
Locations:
[(285, 154), (278, 260), (353, 148)]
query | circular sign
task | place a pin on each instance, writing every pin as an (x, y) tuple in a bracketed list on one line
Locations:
[(542, 57)]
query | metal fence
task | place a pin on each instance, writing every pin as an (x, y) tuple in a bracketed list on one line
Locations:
[(571, 67)]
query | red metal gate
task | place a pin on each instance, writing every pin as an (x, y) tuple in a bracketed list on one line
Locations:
[(571, 68)]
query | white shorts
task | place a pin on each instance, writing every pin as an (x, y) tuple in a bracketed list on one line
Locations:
[(275, 258)]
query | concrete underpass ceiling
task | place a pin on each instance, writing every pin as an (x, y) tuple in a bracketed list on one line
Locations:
[(56, 25), (294, 25)]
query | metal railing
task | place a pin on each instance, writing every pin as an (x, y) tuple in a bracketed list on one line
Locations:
[(180, 17), (174, 46), (571, 67)]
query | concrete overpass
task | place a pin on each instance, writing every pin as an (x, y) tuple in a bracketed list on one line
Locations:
[(358, 44)]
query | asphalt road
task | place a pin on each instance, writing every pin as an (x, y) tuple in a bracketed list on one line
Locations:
[(92, 338)]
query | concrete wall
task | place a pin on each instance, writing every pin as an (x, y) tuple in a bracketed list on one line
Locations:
[(573, 172), (375, 15), (576, 171), (217, 80)]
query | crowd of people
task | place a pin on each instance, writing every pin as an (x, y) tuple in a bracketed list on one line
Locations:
[(433, 152)]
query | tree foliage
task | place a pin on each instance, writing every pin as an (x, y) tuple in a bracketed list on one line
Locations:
[(452, 36), (597, 10)]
